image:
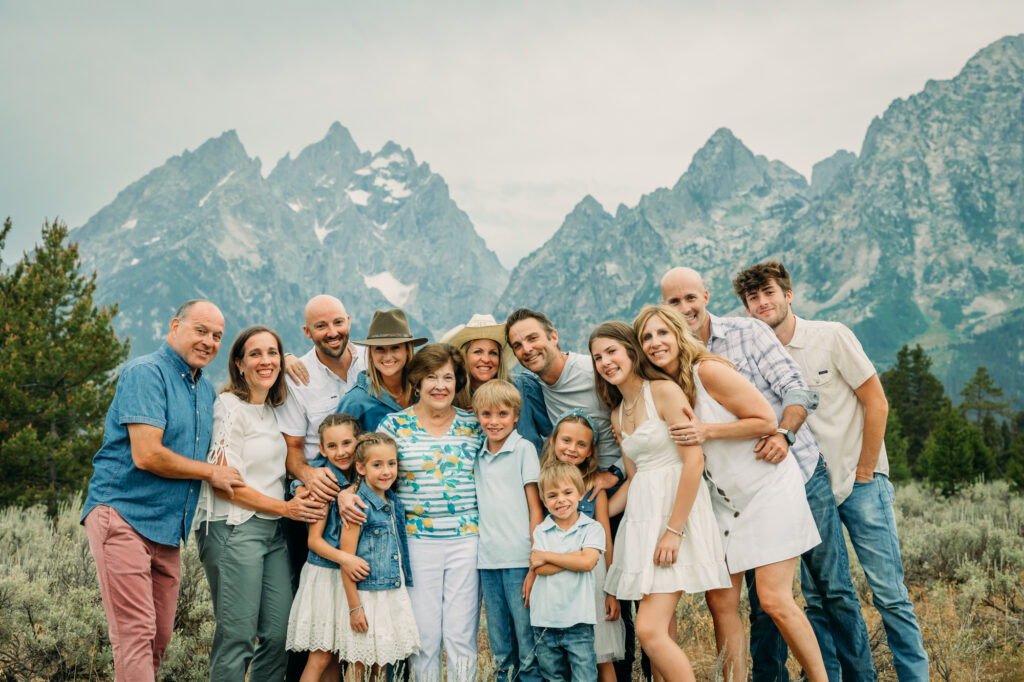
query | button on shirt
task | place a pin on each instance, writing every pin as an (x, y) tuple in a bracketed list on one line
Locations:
[(567, 597), (759, 356), (306, 406), (501, 478), (835, 364), (159, 390)]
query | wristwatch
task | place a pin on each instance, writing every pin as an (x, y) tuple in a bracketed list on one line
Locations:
[(790, 436)]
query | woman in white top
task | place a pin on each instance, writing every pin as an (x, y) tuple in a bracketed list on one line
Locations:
[(240, 535), (761, 509)]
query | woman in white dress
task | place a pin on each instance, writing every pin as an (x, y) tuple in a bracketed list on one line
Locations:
[(667, 542), (762, 512)]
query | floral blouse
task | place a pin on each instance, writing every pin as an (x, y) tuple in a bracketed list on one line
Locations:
[(435, 475)]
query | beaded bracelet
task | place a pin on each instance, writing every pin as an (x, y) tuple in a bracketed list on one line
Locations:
[(355, 609), (670, 529)]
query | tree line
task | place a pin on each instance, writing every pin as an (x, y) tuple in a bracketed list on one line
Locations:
[(59, 353)]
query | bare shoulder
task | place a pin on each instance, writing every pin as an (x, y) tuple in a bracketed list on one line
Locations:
[(713, 370), (665, 389)]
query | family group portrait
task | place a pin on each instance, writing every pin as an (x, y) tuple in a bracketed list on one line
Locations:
[(589, 343)]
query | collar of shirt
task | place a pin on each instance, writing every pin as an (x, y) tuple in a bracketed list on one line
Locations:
[(548, 524), (373, 498), (798, 336), (506, 447), (179, 364)]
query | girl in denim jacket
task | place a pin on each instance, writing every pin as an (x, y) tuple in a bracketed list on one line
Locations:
[(379, 627)]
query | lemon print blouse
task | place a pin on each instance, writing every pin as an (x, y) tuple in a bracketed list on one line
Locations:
[(435, 475)]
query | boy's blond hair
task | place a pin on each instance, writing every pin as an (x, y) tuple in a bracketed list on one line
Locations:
[(497, 393), (556, 472)]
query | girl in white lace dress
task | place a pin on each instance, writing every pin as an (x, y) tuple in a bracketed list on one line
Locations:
[(667, 541)]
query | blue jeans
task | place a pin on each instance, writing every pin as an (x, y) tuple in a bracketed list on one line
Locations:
[(567, 654), (508, 625), (868, 516), (832, 606)]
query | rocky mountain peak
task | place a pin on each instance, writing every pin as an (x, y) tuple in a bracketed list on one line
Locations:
[(825, 172), (722, 168)]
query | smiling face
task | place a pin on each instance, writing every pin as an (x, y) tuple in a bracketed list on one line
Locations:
[(379, 468), (338, 444), (497, 421), (389, 360), (561, 499), (535, 350), (573, 442), (770, 303), (197, 335), (660, 345), (483, 357), (437, 388), (327, 325), (260, 364), (611, 360), (683, 289)]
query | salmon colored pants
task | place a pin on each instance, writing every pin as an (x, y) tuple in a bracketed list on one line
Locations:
[(139, 584)]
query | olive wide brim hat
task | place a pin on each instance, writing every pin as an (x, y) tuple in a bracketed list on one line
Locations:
[(390, 328)]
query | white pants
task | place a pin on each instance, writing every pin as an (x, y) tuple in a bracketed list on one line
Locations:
[(445, 598)]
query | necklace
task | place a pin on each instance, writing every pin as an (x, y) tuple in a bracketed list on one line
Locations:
[(628, 409)]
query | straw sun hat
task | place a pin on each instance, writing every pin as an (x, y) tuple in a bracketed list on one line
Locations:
[(481, 327)]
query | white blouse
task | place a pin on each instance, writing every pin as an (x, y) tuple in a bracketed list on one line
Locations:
[(246, 437)]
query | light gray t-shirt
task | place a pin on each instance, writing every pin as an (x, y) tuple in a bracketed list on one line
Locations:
[(575, 388)]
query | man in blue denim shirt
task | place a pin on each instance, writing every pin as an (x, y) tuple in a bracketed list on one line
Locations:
[(145, 486), (832, 605)]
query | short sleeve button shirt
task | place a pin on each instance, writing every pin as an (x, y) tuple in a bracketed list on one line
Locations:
[(567, 597), (158, 390)]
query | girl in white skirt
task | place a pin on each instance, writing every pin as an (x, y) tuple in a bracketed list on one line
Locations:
[(574, 441), (312, 622), (380, 628)]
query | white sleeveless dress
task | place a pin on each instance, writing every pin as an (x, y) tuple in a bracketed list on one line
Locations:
[(761, 508), (700, 564)]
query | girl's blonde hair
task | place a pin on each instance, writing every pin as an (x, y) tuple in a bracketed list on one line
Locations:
[(588, 467), (363, 445), (377, 384), (691, 350)]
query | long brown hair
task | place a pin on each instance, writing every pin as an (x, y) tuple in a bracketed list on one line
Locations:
[(691, 350), (623, 333), (236, 382)]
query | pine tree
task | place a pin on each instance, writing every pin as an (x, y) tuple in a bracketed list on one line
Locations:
[(955, 454), (1015, 464), (917, 396), (982, 398), (58, 352)]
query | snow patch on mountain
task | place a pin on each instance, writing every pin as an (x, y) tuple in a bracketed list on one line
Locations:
[(392, 289)]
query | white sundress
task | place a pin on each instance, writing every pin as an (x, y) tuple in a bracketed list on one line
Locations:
[(700, 564), (761, 508)]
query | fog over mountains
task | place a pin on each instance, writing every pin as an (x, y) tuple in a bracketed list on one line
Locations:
[(915, 239)]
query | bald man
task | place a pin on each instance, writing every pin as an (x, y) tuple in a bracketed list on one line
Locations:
[(758, 355)]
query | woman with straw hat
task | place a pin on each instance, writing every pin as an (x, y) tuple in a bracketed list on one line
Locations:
[(488, 356), (383, 387)]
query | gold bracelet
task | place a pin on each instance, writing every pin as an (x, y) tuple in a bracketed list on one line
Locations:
[(670, 529)]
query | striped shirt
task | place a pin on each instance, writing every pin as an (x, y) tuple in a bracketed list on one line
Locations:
[(435, 475), (752, 346)]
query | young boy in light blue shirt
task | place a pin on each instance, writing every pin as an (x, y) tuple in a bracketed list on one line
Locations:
[(566, 547), (506, 491)]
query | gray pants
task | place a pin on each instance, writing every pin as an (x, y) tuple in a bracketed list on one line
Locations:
[(250, 584)]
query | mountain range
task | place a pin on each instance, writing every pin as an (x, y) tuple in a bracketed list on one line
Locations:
[(917, 238)]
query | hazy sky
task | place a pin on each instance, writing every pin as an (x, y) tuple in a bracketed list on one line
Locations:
[(523, 108)]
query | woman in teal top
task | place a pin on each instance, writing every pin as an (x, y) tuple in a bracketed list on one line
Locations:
[(437, 448)]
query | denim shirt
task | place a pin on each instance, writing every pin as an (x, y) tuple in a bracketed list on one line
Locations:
[(382, 542), (332, 528), (534, 424), (586, 505), (159, 390), (364, 405)]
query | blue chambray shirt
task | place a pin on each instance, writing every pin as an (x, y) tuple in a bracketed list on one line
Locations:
[(752, 346), (155, 389)]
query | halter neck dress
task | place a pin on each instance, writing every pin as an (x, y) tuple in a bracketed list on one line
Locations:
[(761, 508), (700, 564)]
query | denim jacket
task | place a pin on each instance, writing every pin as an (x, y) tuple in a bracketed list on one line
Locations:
[(533, 424), (364, 405), (382, 542), (332, 529)]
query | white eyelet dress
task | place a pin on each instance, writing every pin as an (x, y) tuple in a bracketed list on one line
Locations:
[(700, 564), (761, 508)]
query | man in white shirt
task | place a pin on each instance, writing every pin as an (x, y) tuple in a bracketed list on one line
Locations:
[(849, 425), (833, 608)]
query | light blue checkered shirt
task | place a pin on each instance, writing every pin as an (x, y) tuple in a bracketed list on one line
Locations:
[(752, 346)]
